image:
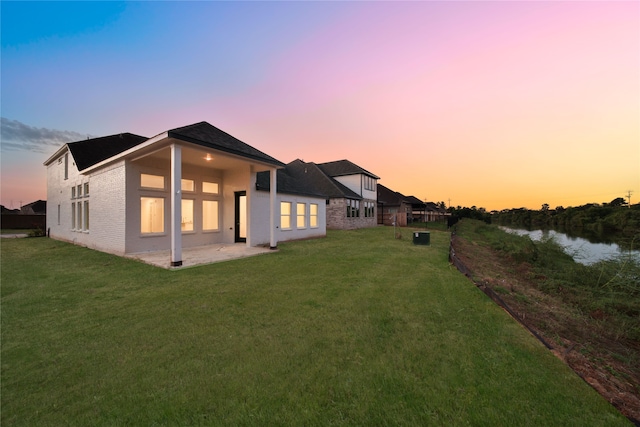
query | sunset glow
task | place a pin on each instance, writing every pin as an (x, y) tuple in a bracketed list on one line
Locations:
[(488, 104)]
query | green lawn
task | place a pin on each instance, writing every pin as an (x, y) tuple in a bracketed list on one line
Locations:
[(358, 328)]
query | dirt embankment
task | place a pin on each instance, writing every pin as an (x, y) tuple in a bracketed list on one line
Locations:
[(581, 340)]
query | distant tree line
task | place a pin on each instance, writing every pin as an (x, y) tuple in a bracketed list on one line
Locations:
[(615, 216), (473, 212)]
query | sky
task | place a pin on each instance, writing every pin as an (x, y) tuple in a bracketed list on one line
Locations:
[(493, 104)]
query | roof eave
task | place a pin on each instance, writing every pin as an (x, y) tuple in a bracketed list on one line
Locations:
[(57, 154), (196, 141)]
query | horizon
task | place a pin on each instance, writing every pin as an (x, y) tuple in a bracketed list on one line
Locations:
[(499, 105)]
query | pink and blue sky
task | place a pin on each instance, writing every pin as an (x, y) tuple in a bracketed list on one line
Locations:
[(492, 104)]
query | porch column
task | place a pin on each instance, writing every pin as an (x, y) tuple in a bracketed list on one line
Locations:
[(273, 221), (176, 205)]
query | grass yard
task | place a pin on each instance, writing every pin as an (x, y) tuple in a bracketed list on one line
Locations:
[(358, 328)]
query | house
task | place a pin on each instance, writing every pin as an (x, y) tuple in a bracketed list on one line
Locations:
[(39, 207), (186, 187), (393, 207), (346, 187), (352, 194)]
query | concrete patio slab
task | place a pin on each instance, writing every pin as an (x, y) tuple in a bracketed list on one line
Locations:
[(201, 255)]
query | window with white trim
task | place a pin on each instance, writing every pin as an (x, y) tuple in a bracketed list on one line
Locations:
[(79, 220), (73, 215), (152, 181), (151, 215), (85, 227), (313, 215), (188, 185), (210, 187), (210, 215), (301, 215), (187, 215), (86, 189), (285, 215)]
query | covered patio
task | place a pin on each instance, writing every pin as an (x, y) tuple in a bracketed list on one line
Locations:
[(201, 255)]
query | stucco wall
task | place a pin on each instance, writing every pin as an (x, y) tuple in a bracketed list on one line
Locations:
[(138, 242), (260, 217)]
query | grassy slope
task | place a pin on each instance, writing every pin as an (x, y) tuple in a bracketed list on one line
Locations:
[(358, 328)]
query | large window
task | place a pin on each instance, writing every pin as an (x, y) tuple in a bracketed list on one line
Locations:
[(79, 220), (285, 215), (152, 181), (187, 215), (73, 216), (369, 209), (210, 220), (301, 212), (313, 215), (369, 183), (353, 208), (86, 216), (151, 215)]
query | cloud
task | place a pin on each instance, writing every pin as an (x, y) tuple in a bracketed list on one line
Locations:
[(17, 136)]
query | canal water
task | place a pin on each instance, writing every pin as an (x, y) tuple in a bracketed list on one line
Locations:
[(582, 250)]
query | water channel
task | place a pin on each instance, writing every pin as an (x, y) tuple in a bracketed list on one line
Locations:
[(582, 250)]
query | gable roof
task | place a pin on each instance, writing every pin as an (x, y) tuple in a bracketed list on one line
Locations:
[(91, 151), (389, 197), (344, 167), (303, 178), (209, 136)]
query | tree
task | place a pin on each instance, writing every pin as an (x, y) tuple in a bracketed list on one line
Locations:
[(619, 201)]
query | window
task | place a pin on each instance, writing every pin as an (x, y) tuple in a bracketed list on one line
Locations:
[(152, 181), (73, 192), (285, 215), (210, 215), (210, 187), (79, 191), (187, 215), (369, 183), (188, 185), (86, 216), (151, 215), (313, 215), (79, 220), (73, 216), (301, 212), (58, 214), (369, 209), (66, 165), (86, 189), (353, 208)]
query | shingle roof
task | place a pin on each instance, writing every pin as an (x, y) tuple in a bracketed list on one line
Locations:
[(91, 151), (299, 177), (344, 167), (390, 197), (210, 136)]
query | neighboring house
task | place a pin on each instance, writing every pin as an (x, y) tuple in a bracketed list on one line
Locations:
[(352, 195), (190, 186), (38, 207), (393, 207), (433, 212), (345, 187)]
